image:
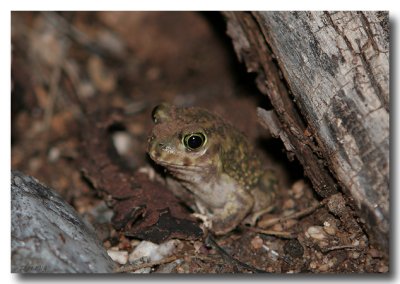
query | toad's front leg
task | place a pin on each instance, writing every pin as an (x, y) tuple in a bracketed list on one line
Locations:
[(236, 208)]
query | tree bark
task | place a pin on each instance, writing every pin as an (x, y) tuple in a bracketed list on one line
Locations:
[(327, 77)]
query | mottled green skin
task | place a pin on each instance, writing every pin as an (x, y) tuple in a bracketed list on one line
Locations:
[(224, 177)]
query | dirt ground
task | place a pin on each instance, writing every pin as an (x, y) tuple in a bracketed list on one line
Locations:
[(70, 64)]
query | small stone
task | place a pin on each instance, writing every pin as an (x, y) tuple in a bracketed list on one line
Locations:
[(153, 252), (118, 256), (289, 204), (122, 142), (383, 269), (293, 248), (375, 253), (316, 232), (270, 269), (86, 89), (298, 188), (54, 154), (134, 243), (332, 262), (323, 268), (323, 244), (336, 204), (114, 248), (197, 246), (313, 265), (329, 229), (257, 242), (144, 270), (277, 227), (363, 242), (124, 243)]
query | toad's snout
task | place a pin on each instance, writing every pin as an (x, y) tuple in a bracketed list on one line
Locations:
[(158, 149), (154, 148)]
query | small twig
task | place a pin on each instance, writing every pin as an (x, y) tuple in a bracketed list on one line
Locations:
[(296, 215), (286, 235), (134, 267), (351, 247)]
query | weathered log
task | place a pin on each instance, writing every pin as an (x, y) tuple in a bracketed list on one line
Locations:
[(327, 77)]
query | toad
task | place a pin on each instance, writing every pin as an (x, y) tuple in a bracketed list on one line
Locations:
[(213, 165)]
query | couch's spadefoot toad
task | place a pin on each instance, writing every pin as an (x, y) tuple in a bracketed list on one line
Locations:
[(213, 162)]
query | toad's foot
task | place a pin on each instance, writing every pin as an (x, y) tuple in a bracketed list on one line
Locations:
[(207, 222), (252, 219)]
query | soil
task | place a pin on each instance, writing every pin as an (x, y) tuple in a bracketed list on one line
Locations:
[(68, 65)]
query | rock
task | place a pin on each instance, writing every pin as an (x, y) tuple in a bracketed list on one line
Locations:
[(257, 242), (293, 248), (316, 232), (298, 188), (48, 236), (118, 256), (329, 229), (153, 252)]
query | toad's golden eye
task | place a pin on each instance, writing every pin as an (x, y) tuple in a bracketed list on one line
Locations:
[(194, 141)]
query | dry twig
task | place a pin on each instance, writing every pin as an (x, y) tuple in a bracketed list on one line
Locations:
[(351, 247), (296, 215), (286, 235)]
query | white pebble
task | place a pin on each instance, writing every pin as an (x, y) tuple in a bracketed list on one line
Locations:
[(316, 232), (298, 188), (54, 154), (122, 142), (118, 256), (153, 252)]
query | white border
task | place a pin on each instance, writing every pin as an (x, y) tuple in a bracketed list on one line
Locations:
[(206, 5), (199, 5)]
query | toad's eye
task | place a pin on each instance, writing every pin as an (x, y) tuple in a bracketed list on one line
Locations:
[(194, 141)]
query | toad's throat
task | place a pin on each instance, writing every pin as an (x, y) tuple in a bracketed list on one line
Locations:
[(200, 181), (192, 175)]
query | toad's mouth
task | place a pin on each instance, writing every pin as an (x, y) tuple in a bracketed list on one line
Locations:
[(194, 178), (177, 166), (171, 160), (183, 172)]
